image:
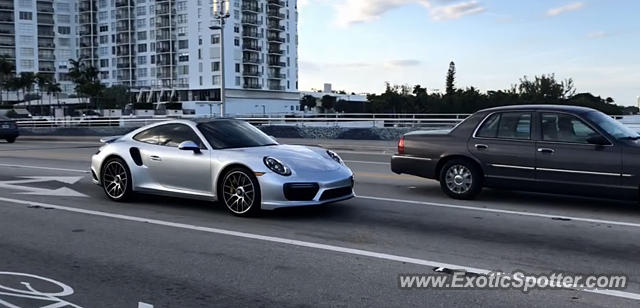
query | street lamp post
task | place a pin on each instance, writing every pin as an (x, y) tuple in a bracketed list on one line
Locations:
[(221, 13)]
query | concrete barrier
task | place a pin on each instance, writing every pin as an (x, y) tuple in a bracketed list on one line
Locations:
[(273, 130)]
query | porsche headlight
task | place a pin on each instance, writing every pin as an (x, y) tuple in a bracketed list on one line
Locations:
[(276, 166), (335, 156)]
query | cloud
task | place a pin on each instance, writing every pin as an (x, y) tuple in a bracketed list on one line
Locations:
[(402, 63), (316, 66), (455, 11), (597, 34), (574, 6), (359, 11)]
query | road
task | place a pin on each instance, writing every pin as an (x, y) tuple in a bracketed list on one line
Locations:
[(167, 252)]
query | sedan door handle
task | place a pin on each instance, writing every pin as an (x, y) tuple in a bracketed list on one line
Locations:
[(546, 150), (155, 157), (482, 146)]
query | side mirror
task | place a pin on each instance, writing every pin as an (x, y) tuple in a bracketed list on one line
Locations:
[(189, 146), (598, 140)]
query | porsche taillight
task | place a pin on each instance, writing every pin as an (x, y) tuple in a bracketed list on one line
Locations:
[(401, 146)]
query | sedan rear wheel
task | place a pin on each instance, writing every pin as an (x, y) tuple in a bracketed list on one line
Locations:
[(11, 139), (240, 192), (116, 180), (461, 179)]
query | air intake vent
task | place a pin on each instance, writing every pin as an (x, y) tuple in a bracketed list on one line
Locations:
[(135, 155)]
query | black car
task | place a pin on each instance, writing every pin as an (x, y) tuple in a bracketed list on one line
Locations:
[(8, 129), (548, 148)]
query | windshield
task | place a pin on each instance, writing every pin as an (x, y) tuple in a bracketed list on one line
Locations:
[(233, 134), (611, 126)]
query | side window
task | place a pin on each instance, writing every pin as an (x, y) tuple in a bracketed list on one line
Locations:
[(559, 127), (170, 135), (149, 136), (507, 125), (489, 128), (173, 135)]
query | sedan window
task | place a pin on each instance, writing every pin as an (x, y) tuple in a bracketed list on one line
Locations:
[(507, 125), (558, 127)]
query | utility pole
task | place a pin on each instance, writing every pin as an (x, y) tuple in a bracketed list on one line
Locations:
[(221, 13)]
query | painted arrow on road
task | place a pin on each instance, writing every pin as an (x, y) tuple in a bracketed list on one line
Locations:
[(61, 192)]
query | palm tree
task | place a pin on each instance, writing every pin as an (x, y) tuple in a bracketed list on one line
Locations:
[(42, 80), (27, 79), (53, 88), (6, 68)]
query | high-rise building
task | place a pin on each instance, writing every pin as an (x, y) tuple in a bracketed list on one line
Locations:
[(164, 50), (39, 36)]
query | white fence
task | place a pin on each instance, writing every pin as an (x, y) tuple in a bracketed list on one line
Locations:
[(356, 120)]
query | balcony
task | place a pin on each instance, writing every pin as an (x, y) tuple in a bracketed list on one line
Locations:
[(251, 61), (277, 39), (252, 86), (276, 3), (276, 88), (251, 47), (277, 64), (275, 14), (251, 73), (277, 76)]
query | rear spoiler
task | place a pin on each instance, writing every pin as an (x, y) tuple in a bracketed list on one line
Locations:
[(109, 139)]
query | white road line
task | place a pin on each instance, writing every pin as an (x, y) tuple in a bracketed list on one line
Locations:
[(279, 240), (43, 168), (529, 214), (366, 162)]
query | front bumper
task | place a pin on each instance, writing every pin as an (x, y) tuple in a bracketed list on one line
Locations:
[(332, 187)]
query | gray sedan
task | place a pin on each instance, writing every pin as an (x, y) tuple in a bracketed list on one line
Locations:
[(226, 160), (558, 149)]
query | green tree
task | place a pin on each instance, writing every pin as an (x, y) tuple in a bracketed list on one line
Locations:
[(42, 80), (26, 80), (451, 79), (53, 88), (87, 81), (116, 97), (308, 101), (7, 67), (328, 102)]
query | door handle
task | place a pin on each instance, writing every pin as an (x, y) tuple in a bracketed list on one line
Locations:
[(481, 146), (155, 157), (546, 150)]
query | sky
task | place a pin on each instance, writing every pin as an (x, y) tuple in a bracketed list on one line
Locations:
[(358, 45)]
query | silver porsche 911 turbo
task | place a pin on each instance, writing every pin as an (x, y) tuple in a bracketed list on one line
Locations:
[(223, 160)]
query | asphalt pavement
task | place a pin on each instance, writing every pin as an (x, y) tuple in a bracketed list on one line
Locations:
[(62, 241)]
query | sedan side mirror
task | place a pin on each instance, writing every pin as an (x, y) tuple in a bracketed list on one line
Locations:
[(189, 146), (598, 140)]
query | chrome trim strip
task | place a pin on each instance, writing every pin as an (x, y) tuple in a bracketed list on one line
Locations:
[(628, 175), (412, 157), (513, 167), (579, 172)]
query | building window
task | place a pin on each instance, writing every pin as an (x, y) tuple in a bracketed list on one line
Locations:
[(26, 16), (64, 30)]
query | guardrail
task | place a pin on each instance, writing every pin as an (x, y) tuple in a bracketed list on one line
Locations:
[(322, 120)]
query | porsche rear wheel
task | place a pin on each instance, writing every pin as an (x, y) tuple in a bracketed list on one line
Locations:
[(240, 192), (116, 180)]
